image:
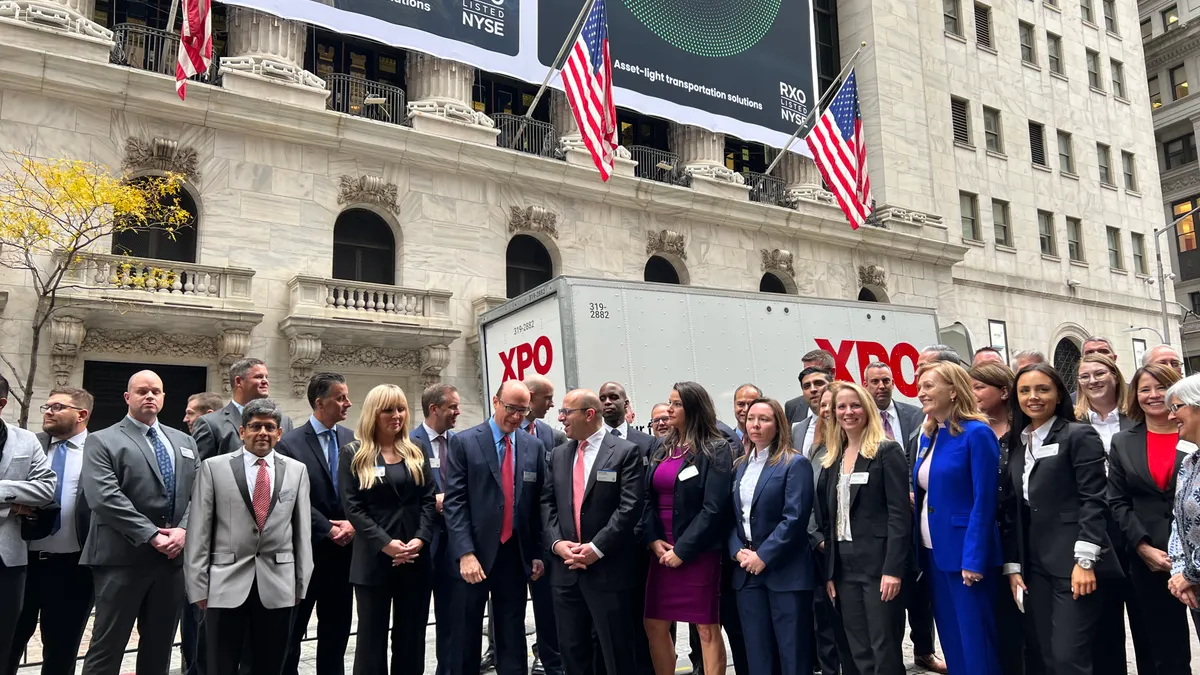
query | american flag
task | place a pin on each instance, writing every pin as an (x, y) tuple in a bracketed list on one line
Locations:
[(840, 151), (195, 43), (587, 79)]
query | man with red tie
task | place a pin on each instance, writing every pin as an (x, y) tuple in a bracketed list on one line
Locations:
[(493, 535)]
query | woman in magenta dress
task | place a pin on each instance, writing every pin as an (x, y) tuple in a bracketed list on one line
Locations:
[(687, 521)]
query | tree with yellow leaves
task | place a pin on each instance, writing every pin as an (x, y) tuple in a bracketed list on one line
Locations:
[(53, 211)]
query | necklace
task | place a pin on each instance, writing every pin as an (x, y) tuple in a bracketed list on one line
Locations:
[(676, 453)]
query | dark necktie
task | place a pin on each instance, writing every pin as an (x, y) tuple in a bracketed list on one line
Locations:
[(616, 432), (167, 469), (59, 467), (331, 456), (439, 446)]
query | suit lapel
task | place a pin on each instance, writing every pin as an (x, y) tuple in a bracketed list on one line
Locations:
[(1140, 461), (314, 444), (1051, 439), (602, 455), (238, 467), (1125, 422), (739, 474), (280, 472), (767, 471), (487, 443), (6, 458), (139, 439), (861, 465), (232, 419)]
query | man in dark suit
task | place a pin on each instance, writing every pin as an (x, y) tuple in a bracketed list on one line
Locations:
[(57, 588), (798, 408), (199, 405), (316, 444), (137, 476), (440, 405), (493, 484), (545, 649), (218, 432), (614, 401), (591, 505)]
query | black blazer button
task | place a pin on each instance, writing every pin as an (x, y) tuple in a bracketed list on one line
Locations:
[(931, 509)]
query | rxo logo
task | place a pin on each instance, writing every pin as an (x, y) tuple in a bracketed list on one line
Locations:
[(540, 355), (868, 353), (794, 93)]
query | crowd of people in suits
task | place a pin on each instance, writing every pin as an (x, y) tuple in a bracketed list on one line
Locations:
[(1023, 521)]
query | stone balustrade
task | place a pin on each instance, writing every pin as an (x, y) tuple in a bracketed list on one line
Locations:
[(335, 298), (104, 273)]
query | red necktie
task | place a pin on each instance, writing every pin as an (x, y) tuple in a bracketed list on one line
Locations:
[(506, 485), (262, 494), (578, 487), (532, 429)]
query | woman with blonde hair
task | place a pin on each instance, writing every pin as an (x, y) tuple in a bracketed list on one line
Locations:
[(388, 491), (1100, 399), (863, 512), (956, 474)]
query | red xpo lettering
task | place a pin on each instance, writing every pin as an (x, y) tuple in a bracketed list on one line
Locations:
[(868, 353), (540, 355)]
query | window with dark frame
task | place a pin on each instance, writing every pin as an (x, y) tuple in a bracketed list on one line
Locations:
[(1075, 239), (1054, 53), (1093, 68), (1066, 153), (364, 248), (1129, 169), (1185, 229), (993, 136), (1109, 7), (1118, 77), (1155, 93), (1180, 151), (1147, 29), (1086, 12), (1000, 223), (1028, 42), (968, 211), (950, 17), (1116, 257), (829, 59), (1046, 238), (1179, 82), (1104, 161), (1138, 242), (960, 118), (1170, 19)]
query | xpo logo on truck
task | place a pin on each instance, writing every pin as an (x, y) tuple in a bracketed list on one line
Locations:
[(538, 355), (868, 353)]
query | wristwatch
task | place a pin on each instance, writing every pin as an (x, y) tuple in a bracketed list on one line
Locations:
[(1084, 563)]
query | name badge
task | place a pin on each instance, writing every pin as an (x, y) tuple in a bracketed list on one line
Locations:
[(187, 453), (285, 495), (606, 476), (1186, 447), (1046, 451), (530, 476), (380, 472), (859, 478), (690, 472), (435, 462), (645, 461)]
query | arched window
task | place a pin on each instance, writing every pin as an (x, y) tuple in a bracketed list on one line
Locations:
[(155, 243), (660, 271), (364, 248), (1066, 362), (528, 264), (771, 283), (866, 295)]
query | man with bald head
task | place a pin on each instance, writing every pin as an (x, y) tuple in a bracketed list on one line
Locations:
[(137, 477), (493, 530)]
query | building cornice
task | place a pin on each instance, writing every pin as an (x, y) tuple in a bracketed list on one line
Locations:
[(1036, 288), (1172, 46), (140, 92)]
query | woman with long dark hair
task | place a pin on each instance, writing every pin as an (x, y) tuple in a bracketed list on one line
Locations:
[(1055, 516), (687, 526)]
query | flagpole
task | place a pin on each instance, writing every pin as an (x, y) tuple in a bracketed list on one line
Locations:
[(554, 66), (171, 16), (817, 108)]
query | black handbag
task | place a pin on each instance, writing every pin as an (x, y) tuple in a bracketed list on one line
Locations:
[(39, 525)]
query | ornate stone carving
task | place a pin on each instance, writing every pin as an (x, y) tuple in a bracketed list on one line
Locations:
[(369, 190), (370, 358), (231, 347), (778, 260), (666, 241), (66, 336), (433, 359), (885, 212), (1189, 180), (268, 46), (141, 343), (442, 88), (537, 219), (71, 16), (303, 352), (161, 154), (702, 153), (872, 275)]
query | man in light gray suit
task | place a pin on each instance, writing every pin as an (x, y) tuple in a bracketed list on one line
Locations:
[(26, 483), (220, 432), (248, 567), (137, 477)]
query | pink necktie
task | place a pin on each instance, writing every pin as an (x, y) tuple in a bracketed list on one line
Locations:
[(578, 487), (507, 487), (262, 494), (887, 425)]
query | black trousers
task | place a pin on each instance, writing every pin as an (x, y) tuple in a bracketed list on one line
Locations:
[(874, 629), (151, 596), (192, 645), (1164, 620), (264, 630), (59, 593), (443, 585), (1067, 627), (544, 621), (1016, 641), (12, 597), (402, 602), (505, 584), (829, 637), (596, 619), (919, 602), (330, 593)]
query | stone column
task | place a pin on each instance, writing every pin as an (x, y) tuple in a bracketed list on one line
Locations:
[(59, 26), (801, 179), (572, 141), (439, 99), (268, 59), (702, 156)]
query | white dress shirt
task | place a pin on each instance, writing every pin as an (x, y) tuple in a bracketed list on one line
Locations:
[(251, 461), (66, 540), (843, 504), (623, 430), (145, 429), (894, 419), (813, 421), (437, 442), (749, 484), (589, 460), (923, 481), (1107, 427)]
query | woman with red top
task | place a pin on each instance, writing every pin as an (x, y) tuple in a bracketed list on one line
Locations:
[(1143, 463)]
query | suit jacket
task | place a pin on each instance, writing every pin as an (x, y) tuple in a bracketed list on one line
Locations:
[(779, 515), (226, 554), (424, 442), (703, 510), (1142, 509), (25, 479), (911, 418), (474, 503), (735, 441), (218, 432), (963, 476), (302, 445), (799, 431), (548, 435), (608, 517), (83, 514), (880, 516), (1067, 503), (390, 509), (125, 489), (645, 443), (796, 409)]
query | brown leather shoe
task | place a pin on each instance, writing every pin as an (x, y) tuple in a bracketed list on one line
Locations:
[(932, 663)]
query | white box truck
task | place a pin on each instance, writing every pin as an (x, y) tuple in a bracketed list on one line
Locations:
[(584, 332)]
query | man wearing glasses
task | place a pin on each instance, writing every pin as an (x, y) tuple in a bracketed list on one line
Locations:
[(493, 527)]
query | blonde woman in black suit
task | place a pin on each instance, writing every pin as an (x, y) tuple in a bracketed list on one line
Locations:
[(390, 497)]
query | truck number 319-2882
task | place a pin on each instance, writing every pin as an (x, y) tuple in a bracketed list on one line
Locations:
[(597, 310)]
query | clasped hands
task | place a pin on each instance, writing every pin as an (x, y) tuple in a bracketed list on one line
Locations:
[(750, 561), (402, 553), (575, 556), (169, 541), (665, 553)]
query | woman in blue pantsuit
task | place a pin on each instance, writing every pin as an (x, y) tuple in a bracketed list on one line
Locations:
[(955, 477), (774, 580)]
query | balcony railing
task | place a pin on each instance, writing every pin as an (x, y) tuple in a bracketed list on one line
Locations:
[(655, 164), (538, 138), (106, 273), (361, 97), (151, 49), (358, 297), (765, 189)]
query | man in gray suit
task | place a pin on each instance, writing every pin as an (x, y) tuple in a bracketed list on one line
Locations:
[(26, 483), (247, 568), (220, 432), (137, 477)]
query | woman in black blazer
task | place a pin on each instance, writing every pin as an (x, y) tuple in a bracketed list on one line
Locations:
[(865, 517), (388, 491), (687, 522), (1055, 517), (1143, 463)]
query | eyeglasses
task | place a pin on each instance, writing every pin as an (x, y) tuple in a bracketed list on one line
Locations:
[(513, 409), (567, 411), (256, 427), (1102, 375), (1176, 407), (660, 420), (58, 407)]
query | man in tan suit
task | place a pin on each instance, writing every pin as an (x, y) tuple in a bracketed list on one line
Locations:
[(248, 567)]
